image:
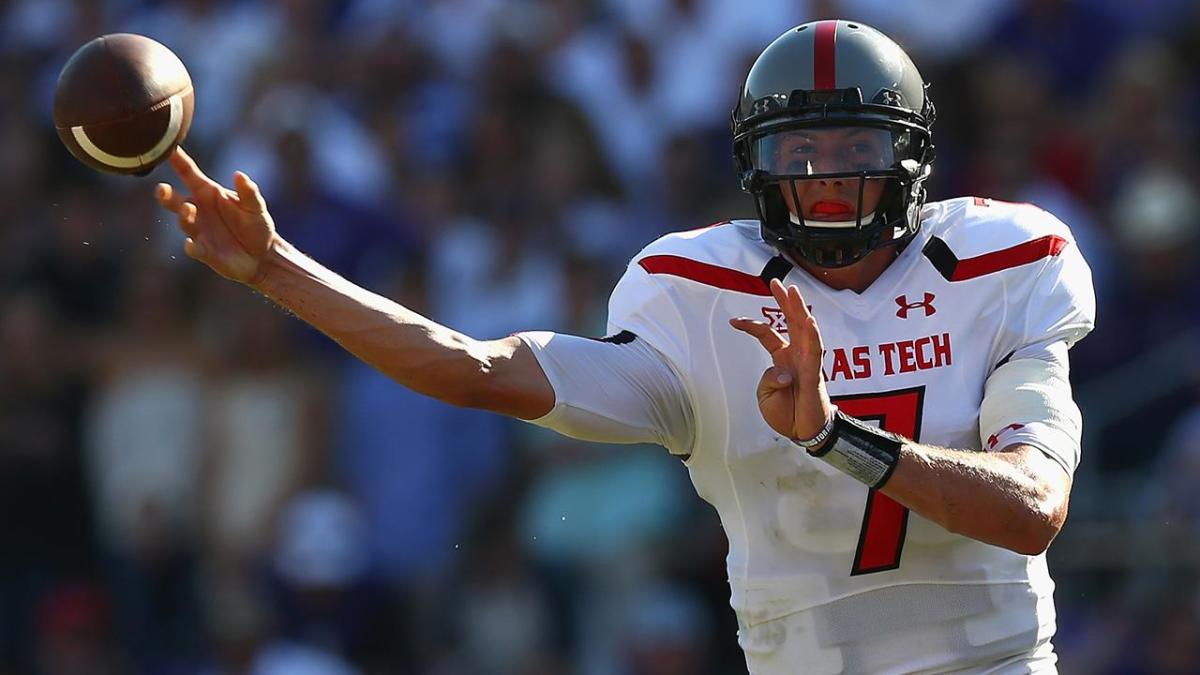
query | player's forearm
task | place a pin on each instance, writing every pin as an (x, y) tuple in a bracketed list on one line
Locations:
[(1002, 498), (417, 352)]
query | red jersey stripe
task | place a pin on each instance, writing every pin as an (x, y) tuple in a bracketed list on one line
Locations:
[(710, 275), (1015, 256), (825, 56)]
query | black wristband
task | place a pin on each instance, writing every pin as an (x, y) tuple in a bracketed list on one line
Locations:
[(863, 452)]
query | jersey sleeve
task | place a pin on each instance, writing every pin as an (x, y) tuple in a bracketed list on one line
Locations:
[(1028, 396), (1056, 309), (625, 388), (643, 305), (1028, 402)]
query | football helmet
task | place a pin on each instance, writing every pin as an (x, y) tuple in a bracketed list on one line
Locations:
[(839, 105)]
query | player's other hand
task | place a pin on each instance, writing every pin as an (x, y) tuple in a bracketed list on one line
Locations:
[(791, 393), (228, 230)]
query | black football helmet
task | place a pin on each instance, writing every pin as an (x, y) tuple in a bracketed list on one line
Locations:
[(855, 83)]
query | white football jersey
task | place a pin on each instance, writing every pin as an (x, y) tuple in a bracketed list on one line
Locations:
[(981, 283), (826, 575)]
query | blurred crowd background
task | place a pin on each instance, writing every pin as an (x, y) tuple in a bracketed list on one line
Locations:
[(193, 482)]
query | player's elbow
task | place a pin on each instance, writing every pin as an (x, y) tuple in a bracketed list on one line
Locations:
[(1037, 538), (501, 376), (468, 391), (1041, 497), (473, 383), (461, 374), (1041, 524)]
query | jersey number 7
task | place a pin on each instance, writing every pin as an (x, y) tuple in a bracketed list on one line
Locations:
[(885, 521)]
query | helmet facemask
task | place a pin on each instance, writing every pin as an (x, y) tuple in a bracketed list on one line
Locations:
[(859, 179)]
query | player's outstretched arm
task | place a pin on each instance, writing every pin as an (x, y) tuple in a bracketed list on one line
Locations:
[(232, 232), (1015, 498)]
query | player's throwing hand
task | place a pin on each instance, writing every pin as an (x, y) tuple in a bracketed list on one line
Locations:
[(791, 393), (228, 230)]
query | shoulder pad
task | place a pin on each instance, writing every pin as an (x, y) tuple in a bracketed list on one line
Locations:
[(729, 255), (718, 244), (972, 237)]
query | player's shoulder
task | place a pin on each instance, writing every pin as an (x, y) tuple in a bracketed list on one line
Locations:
[(681, 268), (967, 237), (729, 243), (974, 226), (724, 251)]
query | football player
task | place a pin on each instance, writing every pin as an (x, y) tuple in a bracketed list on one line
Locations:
[(871, 390)]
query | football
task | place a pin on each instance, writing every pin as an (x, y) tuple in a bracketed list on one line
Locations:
[(122, 103)]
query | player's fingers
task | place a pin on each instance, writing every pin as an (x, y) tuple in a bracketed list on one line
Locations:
[(779, 292), (193, 248), (187, 218), (809, 339), (170, 198), (250, 199), (189, 172), (771, 340), (790, 302), (797, 302), (775, 378), (802, 326), (787, 306)]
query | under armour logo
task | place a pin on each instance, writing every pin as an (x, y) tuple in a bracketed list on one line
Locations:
[(995, 438), (889, 97), (905, 305), (765, 105), (775, 317)]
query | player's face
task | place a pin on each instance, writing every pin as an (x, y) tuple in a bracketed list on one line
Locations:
[(813, 152)]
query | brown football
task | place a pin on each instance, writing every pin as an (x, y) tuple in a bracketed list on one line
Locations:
[(122, 103)]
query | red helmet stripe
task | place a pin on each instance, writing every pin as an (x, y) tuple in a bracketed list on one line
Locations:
[(824, 56)]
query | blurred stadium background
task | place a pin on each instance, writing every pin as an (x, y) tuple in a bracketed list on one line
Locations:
[(193, 482)]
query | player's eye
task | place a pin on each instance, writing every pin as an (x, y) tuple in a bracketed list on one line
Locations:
[(865, 156), (798, 166)]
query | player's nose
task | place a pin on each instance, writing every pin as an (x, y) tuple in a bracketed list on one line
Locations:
[(833, 189)]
